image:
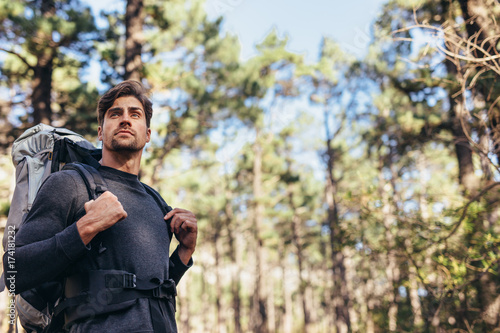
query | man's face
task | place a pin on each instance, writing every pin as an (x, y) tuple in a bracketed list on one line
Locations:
[(124, 127)]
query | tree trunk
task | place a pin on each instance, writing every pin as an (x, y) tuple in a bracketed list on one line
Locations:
[(134, 21), (271, 321), (259, 313), (467, 177), (458, 116), (484, 31), (341, 299), (206, 316), (218, 287), (416, 305), (42, 89), (297, 236), (287, 297), (233, 255), (479, 27), (370, 323), (352, 286), (42, 79), (329, 318), (392, 267)]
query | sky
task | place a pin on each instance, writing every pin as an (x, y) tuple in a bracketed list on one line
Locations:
[(304, 22)]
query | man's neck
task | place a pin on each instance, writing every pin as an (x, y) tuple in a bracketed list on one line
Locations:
[(126, 162)]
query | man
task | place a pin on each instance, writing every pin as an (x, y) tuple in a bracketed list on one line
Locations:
[(111, 254)]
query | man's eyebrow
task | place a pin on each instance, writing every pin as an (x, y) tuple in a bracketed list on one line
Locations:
[(119, 108)]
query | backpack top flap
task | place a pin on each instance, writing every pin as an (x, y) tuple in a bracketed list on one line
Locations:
[(69, 151), (41, 138)]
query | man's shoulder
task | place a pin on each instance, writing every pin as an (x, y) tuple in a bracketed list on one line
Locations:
[(64, 182), (62, 191), (149, 188), (67, 177), (157, 196)]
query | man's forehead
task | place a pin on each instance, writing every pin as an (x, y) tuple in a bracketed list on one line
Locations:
[(126, 102)]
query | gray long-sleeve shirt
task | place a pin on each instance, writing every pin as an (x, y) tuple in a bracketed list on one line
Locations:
[(48, 245)]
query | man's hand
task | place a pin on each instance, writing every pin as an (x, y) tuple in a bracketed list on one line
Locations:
[(185, 227), (102, 213)]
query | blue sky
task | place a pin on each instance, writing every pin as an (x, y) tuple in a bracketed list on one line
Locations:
[(304, 22)]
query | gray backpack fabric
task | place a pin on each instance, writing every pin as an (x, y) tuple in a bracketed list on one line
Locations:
[(38, 152)]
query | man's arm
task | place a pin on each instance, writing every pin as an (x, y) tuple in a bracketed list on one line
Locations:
[(185, 228), (47, 242), (177, 267)]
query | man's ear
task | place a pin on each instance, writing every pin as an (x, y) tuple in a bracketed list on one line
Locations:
[(99, 133), (148, 135)]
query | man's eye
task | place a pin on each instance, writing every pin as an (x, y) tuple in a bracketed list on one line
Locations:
[(136, 115)]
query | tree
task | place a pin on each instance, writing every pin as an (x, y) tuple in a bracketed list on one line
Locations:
[(331, 70), (134, 21), (44, 41), (259, 77), (188, 67), (456, 63)]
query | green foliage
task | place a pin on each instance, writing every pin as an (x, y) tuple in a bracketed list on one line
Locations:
[(53, 38)]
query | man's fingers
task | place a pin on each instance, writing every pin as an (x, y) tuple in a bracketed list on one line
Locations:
[(175, 211), (182, 220), (107, 205), (177, 221), (189, 226)]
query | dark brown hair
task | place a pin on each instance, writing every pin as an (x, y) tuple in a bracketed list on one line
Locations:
[(125, 88)]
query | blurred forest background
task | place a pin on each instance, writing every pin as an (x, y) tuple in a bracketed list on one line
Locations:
[(338, 195)]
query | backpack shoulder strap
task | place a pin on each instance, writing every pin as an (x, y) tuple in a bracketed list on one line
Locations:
[(165, 208), (96, 185), (159, 200)]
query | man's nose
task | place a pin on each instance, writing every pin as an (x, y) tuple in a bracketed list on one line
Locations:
[(125, 119)]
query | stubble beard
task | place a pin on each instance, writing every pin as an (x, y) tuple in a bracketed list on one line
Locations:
[(128, 146)]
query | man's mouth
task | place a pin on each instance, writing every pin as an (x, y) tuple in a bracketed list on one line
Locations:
[(124, 132)]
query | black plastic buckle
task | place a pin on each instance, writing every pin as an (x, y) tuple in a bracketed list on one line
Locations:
[(98, 191), (129, 280), (158, 292)]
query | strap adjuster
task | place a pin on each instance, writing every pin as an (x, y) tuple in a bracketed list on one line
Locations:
[(129, 280), (165, 290), (123, 280), (99, 190), (157, 292)]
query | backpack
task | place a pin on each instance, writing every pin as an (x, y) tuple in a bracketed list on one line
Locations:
[(38, 152)]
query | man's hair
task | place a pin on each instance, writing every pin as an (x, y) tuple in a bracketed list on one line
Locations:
[(122, 89)]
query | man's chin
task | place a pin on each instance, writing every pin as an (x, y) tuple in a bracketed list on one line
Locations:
[(126, 148)]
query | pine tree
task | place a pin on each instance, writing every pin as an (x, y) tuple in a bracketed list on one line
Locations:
[(46, 43)]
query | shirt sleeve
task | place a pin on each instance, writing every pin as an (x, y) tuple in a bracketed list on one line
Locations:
[(176, 267), (47, 241)]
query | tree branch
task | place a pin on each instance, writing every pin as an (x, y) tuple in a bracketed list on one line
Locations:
[(23, 59)]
